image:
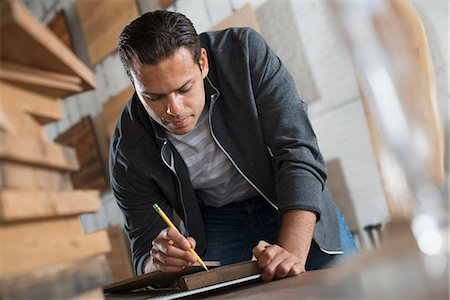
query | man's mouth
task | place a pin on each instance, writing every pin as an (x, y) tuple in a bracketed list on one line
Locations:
[(178, 123)]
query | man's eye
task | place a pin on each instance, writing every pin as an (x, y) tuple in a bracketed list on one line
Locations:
[(184, 90), (152, 98)]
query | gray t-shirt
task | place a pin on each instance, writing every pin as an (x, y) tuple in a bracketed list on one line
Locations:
[(212, 174)]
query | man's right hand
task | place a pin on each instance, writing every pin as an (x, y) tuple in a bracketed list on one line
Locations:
[(170, 252)]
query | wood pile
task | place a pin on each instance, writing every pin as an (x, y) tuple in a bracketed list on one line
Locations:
[(44, 252)]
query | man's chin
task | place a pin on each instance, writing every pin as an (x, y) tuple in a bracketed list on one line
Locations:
[(181, 131)]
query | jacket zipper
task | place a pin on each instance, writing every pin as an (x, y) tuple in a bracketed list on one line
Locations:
[(172, 168), (213, 99)]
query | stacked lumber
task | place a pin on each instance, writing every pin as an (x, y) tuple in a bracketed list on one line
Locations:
[(44, 252)]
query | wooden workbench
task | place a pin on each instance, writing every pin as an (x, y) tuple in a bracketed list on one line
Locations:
[(397, 270)]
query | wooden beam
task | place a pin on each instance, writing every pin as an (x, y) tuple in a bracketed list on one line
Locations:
[(102, 24), (37, 152), (23, 112), (119, 258), (51, 83), (58, 25), (25, 41), (29, 246), (19, 205), (21, 176), (66, 280), (114, 106)]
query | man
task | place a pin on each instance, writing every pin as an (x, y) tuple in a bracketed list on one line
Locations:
[(216, 132)]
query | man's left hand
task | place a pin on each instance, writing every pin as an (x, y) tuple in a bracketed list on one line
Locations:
[(277, 262)]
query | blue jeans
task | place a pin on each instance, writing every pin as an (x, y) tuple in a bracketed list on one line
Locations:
[(232, 231)]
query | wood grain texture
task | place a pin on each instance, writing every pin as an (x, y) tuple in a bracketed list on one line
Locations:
[(102, 22), (23, 112), (151, 279), (244, 17), (19, 205), (82, 137), (218, 275), (21, 32), (28, 246), (58, 25), (37, 152), (119, 259), (22, 176), (58, 281), (114, 106), (50, 83)]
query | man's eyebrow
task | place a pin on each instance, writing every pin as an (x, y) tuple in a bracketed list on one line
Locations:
[(146, 93)]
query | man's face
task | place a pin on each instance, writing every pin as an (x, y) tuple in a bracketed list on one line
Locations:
[(172, 91)]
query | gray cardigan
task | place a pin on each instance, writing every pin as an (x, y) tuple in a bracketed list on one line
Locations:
[(256, 117)]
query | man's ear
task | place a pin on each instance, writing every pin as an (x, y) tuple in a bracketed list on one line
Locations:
[(203, 62)]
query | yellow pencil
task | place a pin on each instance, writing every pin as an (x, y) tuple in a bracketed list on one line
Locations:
[(167, 220)]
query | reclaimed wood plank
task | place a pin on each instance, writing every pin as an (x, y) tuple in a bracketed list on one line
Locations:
[(28, 246), (22, 32), (22, 176), (50, 83), (23, 112), (114, 106), (37, 152), (119, 259), (102, 24), (92, 173), (58, 281), (20, 205), (58, 25)]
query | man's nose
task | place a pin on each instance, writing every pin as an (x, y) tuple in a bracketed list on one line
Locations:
[(174, 104)]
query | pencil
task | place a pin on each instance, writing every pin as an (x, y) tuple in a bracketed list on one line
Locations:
[(171, 225)]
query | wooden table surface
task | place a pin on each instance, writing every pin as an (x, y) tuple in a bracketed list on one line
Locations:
[(398, 270)]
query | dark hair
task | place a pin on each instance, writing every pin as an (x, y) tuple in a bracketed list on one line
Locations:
[(155, 36)]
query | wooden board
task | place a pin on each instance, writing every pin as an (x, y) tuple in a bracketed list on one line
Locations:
[(20, 205), (58, 281), (23, 112), (58, 25), (22, 176), (102, 24), (114, 106), (244, 17), (28, 246), (27, 42), (410, 62), (119, 259), (157, 279), (92, 173), (218, 275), (37, 152), (49, 83)]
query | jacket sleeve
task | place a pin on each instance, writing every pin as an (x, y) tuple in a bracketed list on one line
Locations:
[(135, 197), (299, 167)]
